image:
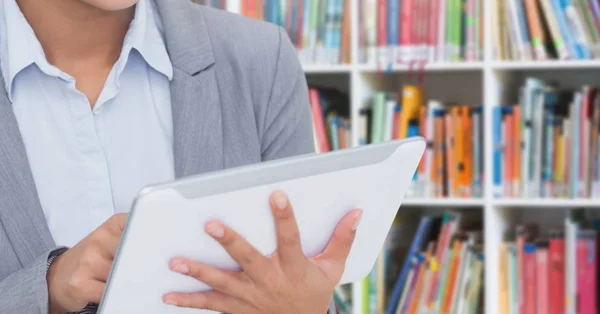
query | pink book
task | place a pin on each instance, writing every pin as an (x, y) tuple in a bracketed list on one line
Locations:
[(529, 255), (406, 40), (433, 28), (541, 277), (319, 121), (586, 272)]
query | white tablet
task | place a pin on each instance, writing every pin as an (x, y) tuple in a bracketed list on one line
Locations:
[(168, 220)]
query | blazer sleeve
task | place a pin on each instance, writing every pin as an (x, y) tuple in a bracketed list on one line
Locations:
[(288, 124), (26, 291)]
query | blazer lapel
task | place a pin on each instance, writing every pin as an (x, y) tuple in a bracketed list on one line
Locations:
[(21, 214), (196, 107)]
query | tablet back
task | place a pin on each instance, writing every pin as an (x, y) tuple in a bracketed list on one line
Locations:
[(168, 221)]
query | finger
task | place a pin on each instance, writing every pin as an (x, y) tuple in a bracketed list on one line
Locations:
[(288, 235), (211, 300), (249, 259), (221, 280), (338, 248)]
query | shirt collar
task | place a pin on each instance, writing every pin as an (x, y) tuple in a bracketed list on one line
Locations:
[(19, 47)]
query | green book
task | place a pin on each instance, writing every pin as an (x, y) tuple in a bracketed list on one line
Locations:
[(378, 121)]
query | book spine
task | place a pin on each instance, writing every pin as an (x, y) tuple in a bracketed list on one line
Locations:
[(530, 278), (542, 273), (497, 157)]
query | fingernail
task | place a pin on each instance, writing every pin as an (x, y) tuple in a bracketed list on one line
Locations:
[(281, 200), (181, 268), (215, 230), (357, 218), (170, 301)]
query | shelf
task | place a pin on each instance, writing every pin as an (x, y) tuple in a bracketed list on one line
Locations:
[(550, 203), (545, 65), (429, 67), (326, 68), (443, 202)]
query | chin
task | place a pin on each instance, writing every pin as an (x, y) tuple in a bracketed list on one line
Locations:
[(111, 5)]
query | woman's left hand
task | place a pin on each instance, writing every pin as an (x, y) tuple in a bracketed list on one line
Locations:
[(286, 282)]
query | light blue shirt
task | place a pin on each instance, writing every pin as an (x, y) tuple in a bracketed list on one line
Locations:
[(89, 164)]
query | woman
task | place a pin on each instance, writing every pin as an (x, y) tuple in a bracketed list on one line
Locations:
[(103, 97)]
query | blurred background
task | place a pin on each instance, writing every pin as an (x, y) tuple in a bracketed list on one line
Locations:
[(503, 213)]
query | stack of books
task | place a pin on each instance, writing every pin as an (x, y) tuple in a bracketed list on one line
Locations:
[(548, 144), (330, 117), (553, 272), (219, 4), (398, 31), (320, 29), (452, 165), (442, 270), (546, 29)]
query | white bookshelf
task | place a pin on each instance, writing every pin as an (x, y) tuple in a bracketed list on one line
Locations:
[(487, 82)]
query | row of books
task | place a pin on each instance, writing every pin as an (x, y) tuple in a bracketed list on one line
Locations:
[(330, 117), (320, 29), (554, 272), (219, 4), (546, 29), (452, 165), (398, 31), (441, 272), (548, 145)]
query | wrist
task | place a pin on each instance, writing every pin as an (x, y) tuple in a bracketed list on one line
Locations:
[(54, 306)]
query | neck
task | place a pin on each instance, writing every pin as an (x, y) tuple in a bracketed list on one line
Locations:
[(71, 31)]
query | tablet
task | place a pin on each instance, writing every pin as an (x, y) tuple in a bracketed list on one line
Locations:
[(168, 220)]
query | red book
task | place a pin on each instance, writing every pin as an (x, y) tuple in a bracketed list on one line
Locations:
[(541, 277), (299, 24), (586, 272), (318, 121), (530, 278), (556, 256), (406, 33), (382, 23), (432, 28)]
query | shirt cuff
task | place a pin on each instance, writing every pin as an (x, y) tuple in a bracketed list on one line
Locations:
[(53, 255)]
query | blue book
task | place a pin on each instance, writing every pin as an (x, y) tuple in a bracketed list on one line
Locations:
[(550, 103), (497, 151), (477, 159), (524, 27), (568, 37), (418, 241), (393, 23)]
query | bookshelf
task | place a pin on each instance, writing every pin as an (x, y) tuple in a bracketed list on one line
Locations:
[(488, 82)]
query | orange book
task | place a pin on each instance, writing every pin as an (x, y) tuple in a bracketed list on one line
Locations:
[(452, 277), (516, 160), (412, 101), (422, 131), (414, 303), (345, 49), (450, 148), (468, 134), (508, 154), (341, 137), (438, 163), (258, 6), (458, 149), (535, 28)]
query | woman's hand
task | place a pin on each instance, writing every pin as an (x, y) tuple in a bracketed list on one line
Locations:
[(78, 276), (286, 282)]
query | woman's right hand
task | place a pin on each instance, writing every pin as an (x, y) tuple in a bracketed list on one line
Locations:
[(78, 276)]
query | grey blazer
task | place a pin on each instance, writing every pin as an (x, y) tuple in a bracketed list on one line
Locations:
[(239, 96)]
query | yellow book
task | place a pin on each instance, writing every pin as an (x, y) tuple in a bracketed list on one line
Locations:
[(412, 100), (381, 282), (503, 280)]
